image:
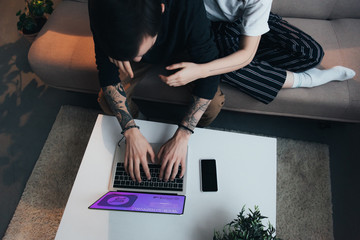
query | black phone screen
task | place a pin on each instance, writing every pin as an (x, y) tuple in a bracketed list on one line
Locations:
[(208, 175)]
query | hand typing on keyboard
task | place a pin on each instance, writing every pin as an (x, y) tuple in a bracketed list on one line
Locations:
[(137, 153), (123, 180), (173, 154)]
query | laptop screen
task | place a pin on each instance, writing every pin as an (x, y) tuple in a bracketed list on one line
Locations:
[(141, 202)]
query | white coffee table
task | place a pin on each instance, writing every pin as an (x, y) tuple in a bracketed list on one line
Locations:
[(246, 171)]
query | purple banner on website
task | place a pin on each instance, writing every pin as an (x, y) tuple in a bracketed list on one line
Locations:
[(141, 202)]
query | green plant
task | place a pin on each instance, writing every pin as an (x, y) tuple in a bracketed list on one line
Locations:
[(33, 18), (247, 227)]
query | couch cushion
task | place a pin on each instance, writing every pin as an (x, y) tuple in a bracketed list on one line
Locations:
[(346, 9), (314, 9), (348, 37), (63, 54), (310, 103)]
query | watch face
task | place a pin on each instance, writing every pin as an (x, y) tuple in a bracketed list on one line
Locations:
[(118, 200)]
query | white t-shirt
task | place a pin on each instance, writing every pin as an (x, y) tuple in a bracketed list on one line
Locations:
[(254, 14)]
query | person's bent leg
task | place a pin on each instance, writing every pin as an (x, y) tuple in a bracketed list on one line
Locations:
[(287, 47), (259, 80), (213, 109)]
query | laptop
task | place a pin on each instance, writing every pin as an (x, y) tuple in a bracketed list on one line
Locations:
[(152, 195), (176, 187)]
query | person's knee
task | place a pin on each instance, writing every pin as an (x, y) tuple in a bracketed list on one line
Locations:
[(314, 54), (311, 58), (318, 54), (213, 109)]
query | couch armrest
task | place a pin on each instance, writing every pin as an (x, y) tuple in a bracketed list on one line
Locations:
[(63, 54)]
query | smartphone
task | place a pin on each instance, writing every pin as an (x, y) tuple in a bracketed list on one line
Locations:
[(208, 175)]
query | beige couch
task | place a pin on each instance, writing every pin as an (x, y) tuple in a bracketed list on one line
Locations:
[(63, 57)]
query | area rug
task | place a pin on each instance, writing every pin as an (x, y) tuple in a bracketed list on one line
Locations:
[(304, 209)]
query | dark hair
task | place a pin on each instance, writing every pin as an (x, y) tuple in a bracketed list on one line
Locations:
[(119, 26)]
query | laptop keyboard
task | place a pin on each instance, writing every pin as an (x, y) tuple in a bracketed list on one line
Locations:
[(123, 180)]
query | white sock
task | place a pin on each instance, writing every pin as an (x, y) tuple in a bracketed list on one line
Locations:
[(316, 77)]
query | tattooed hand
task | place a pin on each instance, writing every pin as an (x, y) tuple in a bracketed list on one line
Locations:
[(173, 152), (137, 147), (137, 151)]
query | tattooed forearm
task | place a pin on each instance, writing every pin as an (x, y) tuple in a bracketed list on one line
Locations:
[(116, 98), (195, 112)]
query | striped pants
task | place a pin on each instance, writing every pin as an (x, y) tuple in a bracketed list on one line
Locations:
[(284, 47)]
